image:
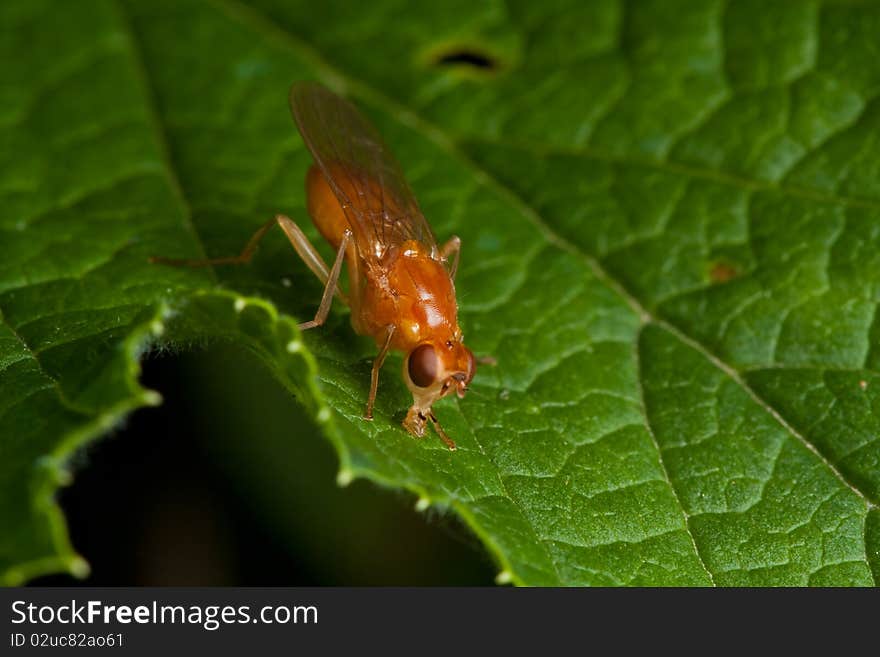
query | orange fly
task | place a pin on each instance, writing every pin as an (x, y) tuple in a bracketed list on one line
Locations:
[(401, 282)]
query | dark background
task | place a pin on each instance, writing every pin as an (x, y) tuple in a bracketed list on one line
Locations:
[(229, 483)]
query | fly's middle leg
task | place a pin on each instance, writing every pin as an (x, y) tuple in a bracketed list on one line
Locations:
[(374, 373)]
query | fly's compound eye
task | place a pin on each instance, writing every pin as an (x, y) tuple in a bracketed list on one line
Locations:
[(423, 365)]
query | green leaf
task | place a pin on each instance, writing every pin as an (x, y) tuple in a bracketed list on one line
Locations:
[(670, 217)]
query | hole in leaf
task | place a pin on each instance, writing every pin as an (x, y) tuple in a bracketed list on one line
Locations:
[(466, 57)]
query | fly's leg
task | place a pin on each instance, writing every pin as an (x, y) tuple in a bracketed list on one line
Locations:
[(304, 249), (416, 421), (452, 248), (331, 286), (374, 374), (446, 439), (241, 259), (301, 244), (307, 253)]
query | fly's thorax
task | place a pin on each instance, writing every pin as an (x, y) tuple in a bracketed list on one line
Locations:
[(411, 290), (424, 295)]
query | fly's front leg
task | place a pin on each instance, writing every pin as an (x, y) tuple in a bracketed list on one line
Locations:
[(331, 287), (452, 248), (446, 439), (374, 374)]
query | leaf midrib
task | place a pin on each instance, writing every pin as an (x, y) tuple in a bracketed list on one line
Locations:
[(650, 430)]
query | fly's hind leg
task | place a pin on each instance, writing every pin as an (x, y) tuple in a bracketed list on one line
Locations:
[(241, 259), (303, 247), (331, 287), (301, 244), (374, 374), (307, 253)]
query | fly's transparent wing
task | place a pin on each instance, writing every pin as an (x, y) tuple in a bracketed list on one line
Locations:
[(364, 176)]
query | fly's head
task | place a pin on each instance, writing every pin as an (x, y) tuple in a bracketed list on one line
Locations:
[(433, 370)]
